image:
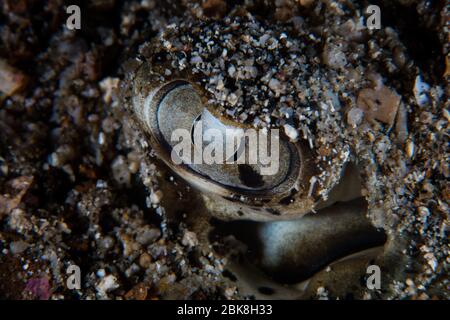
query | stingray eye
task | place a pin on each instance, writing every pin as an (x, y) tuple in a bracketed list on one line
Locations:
[(215, 153)]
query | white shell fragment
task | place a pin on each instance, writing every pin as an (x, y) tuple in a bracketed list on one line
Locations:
[(355, 117)]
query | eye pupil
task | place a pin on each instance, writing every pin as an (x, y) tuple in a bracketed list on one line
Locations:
[(249, 176)]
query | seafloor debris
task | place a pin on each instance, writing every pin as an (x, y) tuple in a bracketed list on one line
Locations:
[(19, 186), (380, 103), (38, 288), (421, 91), (11, 79)]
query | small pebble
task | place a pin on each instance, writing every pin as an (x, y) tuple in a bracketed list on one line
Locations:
[(18, 247), (291, 132)]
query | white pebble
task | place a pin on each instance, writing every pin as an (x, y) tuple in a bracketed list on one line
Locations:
[(410, 148), (156, 196), (420, 91)]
